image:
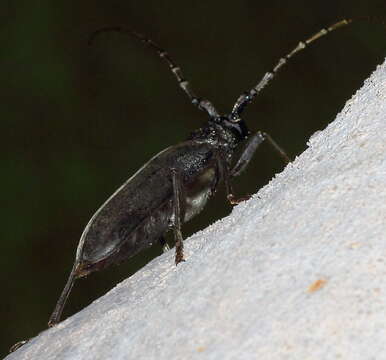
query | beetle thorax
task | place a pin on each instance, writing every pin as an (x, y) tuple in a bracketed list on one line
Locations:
[(222, 133)]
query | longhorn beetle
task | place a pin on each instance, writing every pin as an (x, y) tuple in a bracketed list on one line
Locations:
[(173, 186)]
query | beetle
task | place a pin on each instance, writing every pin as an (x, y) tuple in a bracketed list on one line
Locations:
[(174, 186)]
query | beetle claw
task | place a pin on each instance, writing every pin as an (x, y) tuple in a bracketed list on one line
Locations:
[(234, 201), (179, 259), (16, 346)]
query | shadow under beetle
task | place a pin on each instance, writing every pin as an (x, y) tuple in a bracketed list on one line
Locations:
[(175, 184)]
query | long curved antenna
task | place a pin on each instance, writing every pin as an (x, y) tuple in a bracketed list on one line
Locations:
[(248, 96), (202, 104)]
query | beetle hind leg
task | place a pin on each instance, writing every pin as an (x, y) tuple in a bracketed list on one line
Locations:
[(178, 214)]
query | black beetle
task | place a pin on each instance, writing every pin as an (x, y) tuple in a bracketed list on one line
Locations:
[(174, 185)]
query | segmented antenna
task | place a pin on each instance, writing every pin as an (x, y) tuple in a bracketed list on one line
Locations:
[(248, 96), (202, 104)]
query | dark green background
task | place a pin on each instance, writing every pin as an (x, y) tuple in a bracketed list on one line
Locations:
[(77, 121)]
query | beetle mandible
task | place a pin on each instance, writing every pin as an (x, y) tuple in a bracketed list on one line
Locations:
[(175, 184)]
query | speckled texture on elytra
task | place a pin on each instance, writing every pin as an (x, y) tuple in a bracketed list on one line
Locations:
[(297, 272)]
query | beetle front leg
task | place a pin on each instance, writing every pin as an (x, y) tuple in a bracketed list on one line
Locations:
[(233, 200), (250, 148), (55, 316), (246, 156), (178, 214)]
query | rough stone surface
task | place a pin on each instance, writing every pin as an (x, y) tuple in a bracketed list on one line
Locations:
[(297, 272)]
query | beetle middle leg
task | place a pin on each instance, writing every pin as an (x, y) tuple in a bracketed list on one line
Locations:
[(164, 244), (178, 214), (56, 314)]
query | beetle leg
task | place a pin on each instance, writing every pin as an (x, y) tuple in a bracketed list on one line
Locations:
[(178, 213), (164, 244), (246, 156), (16, 346), (276, 146), (55, 317), (249, 149), (252, 144), (224, 173), (56, 314)]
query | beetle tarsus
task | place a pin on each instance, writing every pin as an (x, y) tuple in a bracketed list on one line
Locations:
[(179, 255), (18, 345), (276, 146), (235, 201)]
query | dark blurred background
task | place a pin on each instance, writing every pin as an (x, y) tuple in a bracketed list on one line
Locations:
[(77, 121)]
